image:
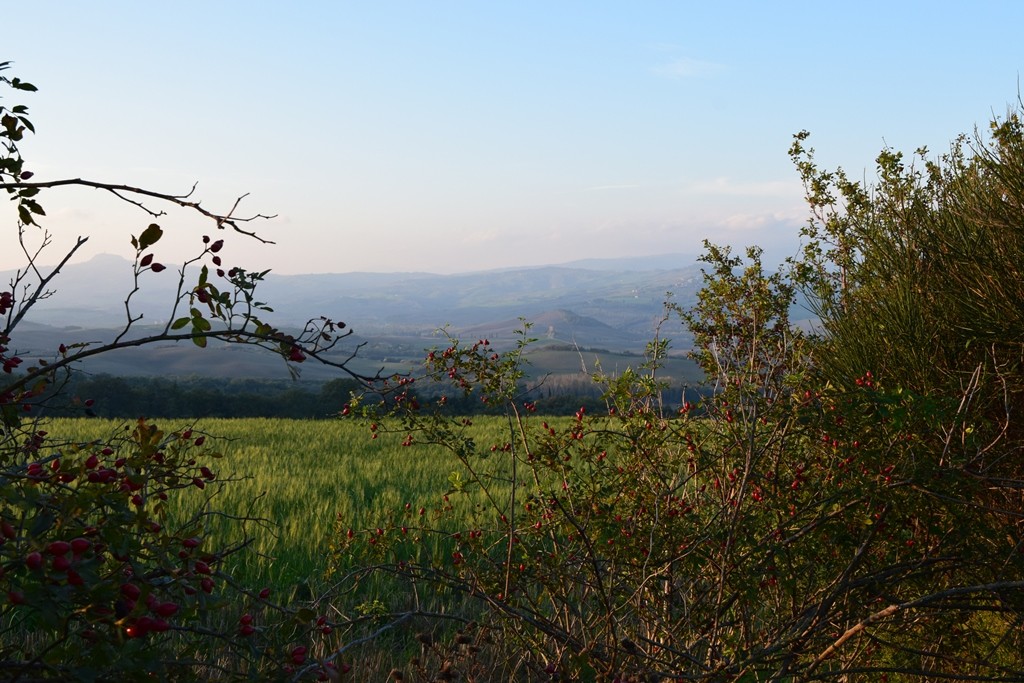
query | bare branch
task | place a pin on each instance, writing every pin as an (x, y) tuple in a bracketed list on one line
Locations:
[(183, 200), (912, 604)]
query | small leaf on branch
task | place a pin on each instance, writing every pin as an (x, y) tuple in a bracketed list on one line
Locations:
[(19, 84), (157, 267), (180, 323), (199, 341), (146, 260), (150, 236)]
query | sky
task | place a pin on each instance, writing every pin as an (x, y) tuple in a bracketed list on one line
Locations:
[(453, 136)]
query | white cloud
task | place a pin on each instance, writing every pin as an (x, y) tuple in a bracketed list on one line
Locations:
[(744, 222), (610, 187), (690, 68), (769, 188), (481, 236)]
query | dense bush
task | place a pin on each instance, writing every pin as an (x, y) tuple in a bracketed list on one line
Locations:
[(844, 504)]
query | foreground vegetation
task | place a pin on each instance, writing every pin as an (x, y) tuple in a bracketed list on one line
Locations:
[(838, 506)]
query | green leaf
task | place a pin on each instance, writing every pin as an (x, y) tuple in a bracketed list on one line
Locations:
[(199, 341), (180, 323), (19, 84), (43, 522), (11, 415), (150, 236), (24, 215)]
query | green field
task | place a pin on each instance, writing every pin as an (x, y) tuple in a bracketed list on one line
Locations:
[(306, 479)]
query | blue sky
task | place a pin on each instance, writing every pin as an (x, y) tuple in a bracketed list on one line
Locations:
[(457, 136)]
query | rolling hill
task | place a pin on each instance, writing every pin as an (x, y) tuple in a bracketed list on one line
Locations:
[(611, 306)]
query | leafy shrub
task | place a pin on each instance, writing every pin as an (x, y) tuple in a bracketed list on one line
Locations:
[(840, 504)]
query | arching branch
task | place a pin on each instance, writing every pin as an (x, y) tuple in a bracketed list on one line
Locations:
[(122, 192)]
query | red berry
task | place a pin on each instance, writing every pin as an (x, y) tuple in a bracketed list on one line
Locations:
[(142, 626), (58, 548), (166, 609), (34, 560), (130, 591)]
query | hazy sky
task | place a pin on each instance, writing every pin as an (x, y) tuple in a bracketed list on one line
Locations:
[(454, 136)]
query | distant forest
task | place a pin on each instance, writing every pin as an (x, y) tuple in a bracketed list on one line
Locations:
[(132, 397), (110, 396)]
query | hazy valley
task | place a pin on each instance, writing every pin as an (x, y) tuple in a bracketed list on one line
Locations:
[(581, 313)]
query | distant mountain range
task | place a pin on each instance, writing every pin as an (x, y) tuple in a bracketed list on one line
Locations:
[(612, 304)]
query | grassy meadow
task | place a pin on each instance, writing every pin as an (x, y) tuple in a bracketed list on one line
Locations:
[(307, 479)]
